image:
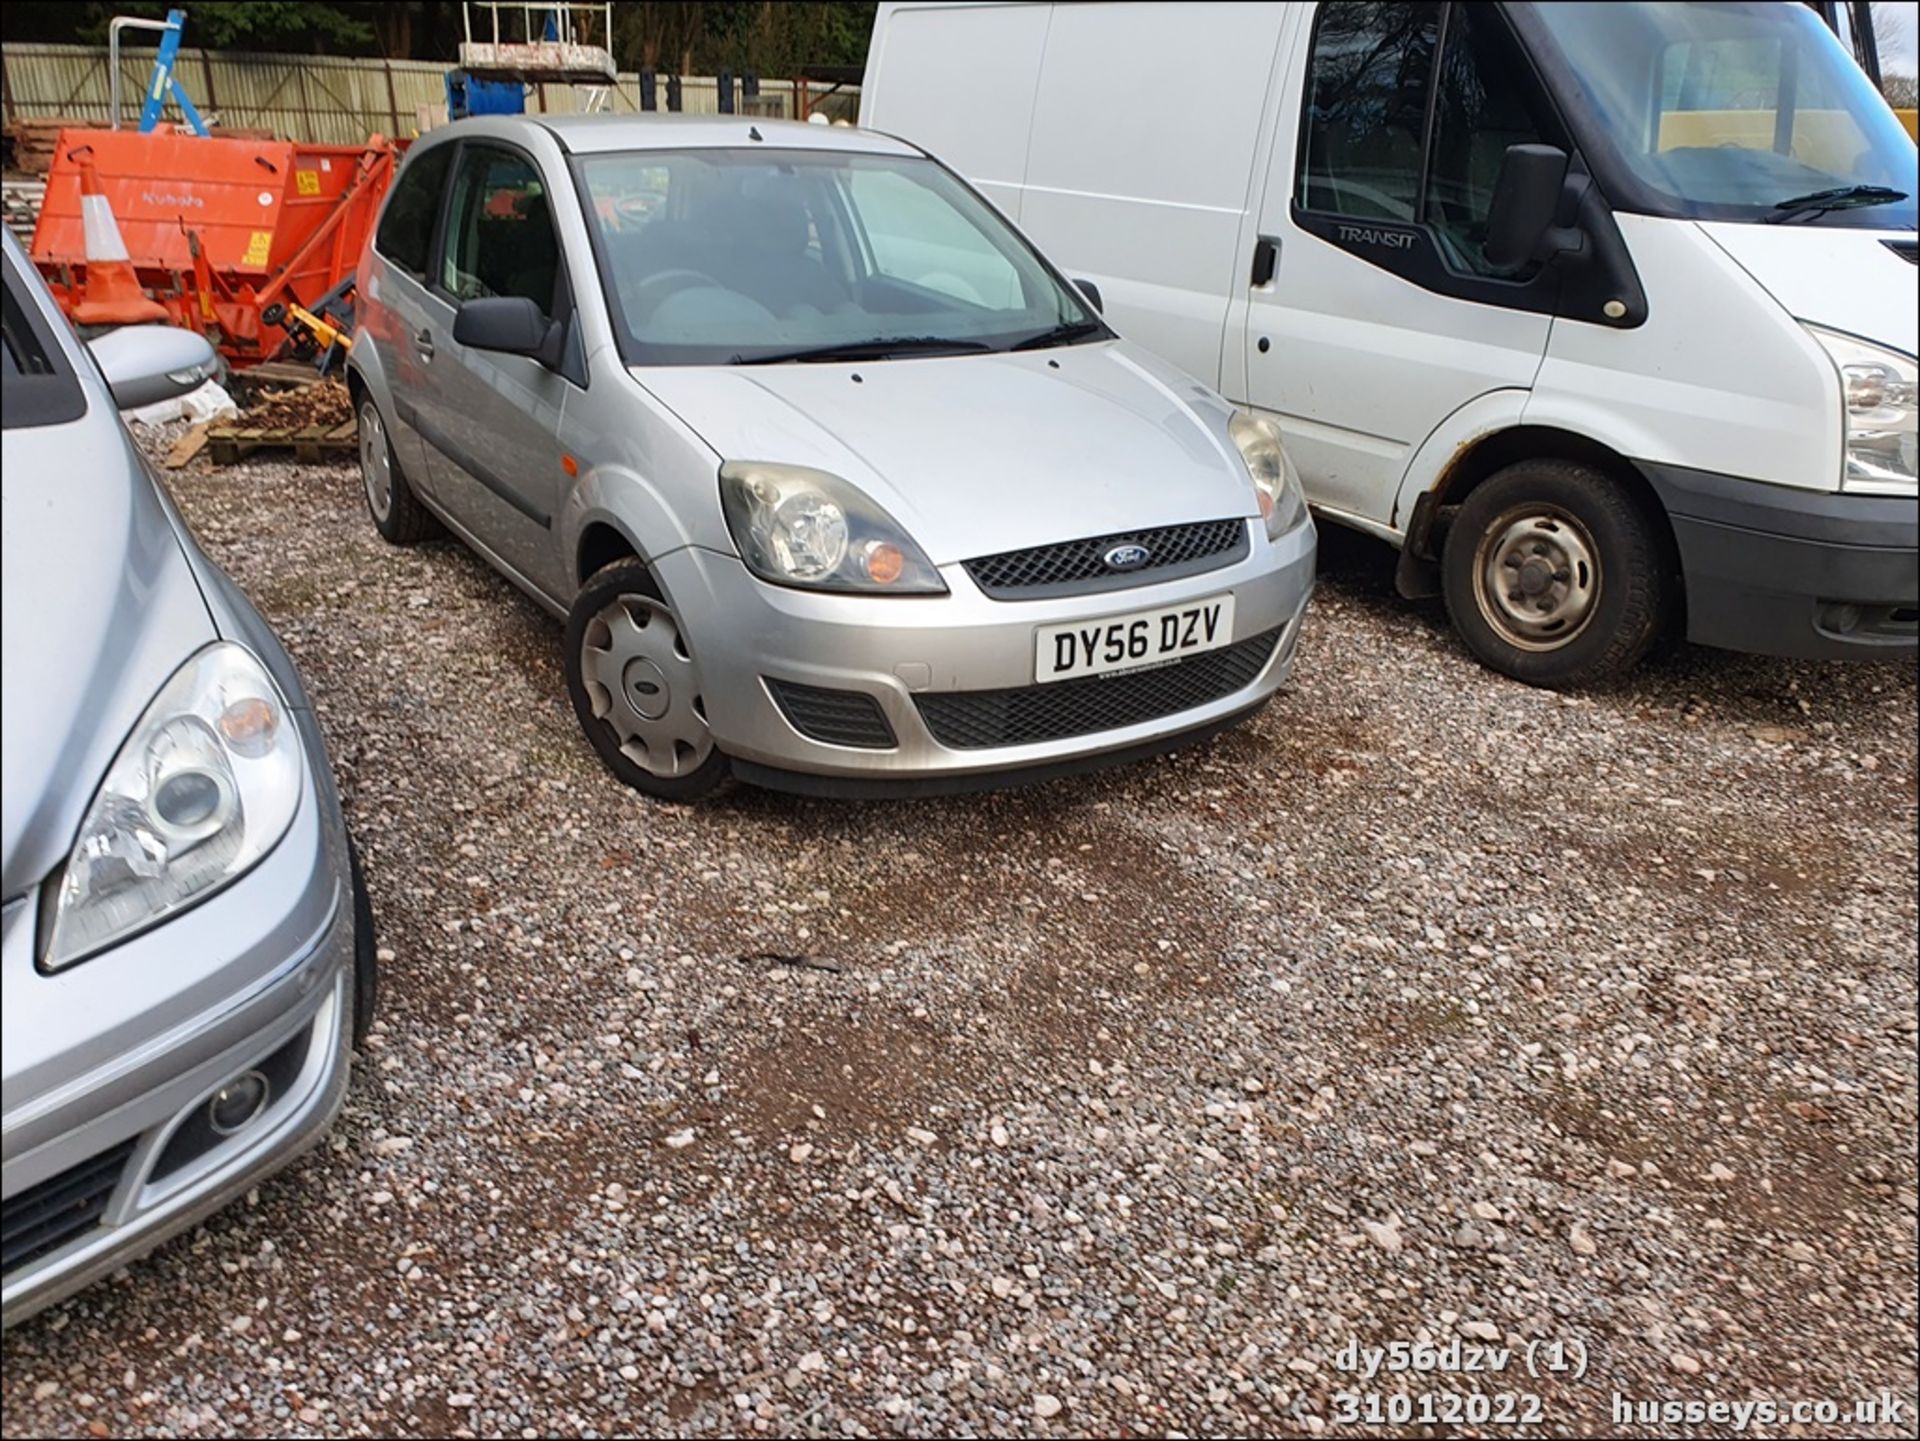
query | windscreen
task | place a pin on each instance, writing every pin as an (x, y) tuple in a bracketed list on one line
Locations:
[(735, 256), (1735, 110)]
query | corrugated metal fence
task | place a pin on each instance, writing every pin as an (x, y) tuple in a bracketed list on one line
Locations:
[(321, 99)]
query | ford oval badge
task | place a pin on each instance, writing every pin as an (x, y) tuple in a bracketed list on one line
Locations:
[(1127, 557)]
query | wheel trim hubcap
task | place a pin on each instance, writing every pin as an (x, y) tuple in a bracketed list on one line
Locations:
[(376, 463), (1537, 577), (640, 679)]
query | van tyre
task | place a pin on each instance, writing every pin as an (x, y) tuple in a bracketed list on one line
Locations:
[(397, 513), (635, 686), (1555, 574)]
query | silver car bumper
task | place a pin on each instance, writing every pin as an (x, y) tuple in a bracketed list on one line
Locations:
[(907, 651), (110, 1063)]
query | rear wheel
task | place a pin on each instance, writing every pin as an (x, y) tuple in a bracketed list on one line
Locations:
[(397, 513), (1555, 575), (635, 687)]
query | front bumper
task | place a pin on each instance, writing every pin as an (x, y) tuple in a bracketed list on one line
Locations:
[(745, 632), (1808, 574), (109, 1063)]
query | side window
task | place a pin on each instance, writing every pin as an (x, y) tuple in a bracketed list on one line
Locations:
[(500, 237), (1367, 82), (917, 237), (406, 227), (1485, 103)]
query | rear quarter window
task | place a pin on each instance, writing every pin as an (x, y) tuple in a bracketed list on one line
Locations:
[(39, 388)]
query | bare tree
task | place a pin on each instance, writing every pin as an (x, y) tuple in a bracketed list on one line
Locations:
[(1893, 37)]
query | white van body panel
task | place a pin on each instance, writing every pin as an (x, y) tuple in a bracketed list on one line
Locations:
[(1846, 280), (1483, 416), (1719, 378), (925, 51), (1152, 212)]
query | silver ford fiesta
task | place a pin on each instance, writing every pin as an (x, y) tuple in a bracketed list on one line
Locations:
[(838, 484), (187, 948)]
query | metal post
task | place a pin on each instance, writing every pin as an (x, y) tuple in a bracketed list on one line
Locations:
[(114, 27), (1868, 42)]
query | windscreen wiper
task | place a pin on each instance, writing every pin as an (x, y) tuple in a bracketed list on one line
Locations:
[(1061, 335), (876, 349), (1843, 197)]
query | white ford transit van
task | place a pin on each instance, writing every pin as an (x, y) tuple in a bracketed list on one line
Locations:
[(1603, 313)]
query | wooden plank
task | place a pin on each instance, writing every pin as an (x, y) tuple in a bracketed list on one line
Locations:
[(308, 443), (282, 373), (187, 447)]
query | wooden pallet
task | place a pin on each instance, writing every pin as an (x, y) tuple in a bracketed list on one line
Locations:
[(290, 373), (234, 441)]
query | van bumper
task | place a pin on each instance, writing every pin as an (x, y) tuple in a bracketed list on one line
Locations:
[(1808, 574)]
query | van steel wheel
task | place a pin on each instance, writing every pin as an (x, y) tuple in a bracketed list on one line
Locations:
[(635, 687), (1536, 578), (397, 515), (1555, 574)]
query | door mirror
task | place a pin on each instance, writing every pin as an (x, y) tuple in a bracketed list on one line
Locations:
[(510, 325), (144, 364), (1092, 292), (1525, 198)]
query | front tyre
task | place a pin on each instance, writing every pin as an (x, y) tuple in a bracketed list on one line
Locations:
[(635, 687), (1555, 575)]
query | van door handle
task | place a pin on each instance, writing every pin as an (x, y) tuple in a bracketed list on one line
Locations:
[(1266, 259), (423, 342)]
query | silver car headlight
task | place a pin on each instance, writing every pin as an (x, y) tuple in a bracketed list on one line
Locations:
[(204, 787), (802, 527), (1276, 484), (1877, 387)]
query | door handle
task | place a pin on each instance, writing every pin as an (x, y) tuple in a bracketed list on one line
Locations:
[(423, 342), (1266, 258)]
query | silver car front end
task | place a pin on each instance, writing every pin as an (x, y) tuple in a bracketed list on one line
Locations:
[(111, 1065), (945, 670)]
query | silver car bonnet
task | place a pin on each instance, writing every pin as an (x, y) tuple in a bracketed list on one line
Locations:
[(100, 608), (977, 454)]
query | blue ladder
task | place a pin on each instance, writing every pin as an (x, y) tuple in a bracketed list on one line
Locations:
[(165, 82)]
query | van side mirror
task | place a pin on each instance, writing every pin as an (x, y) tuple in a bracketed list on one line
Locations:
[(1092, 292), (144, 364), (509, 325), (1525, 197)]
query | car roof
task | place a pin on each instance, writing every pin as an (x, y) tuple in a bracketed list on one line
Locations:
[(656, 130)]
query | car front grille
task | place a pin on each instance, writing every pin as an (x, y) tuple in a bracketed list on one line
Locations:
[(1078, 567), (43, 1218), (972, 720), (837, 717)]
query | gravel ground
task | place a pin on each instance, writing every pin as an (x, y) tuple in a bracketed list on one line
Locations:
[(1426, 1006)]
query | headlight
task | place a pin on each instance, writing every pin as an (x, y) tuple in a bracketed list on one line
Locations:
[(796, 526), (1877, 388), (1275, 482), (203, 788)]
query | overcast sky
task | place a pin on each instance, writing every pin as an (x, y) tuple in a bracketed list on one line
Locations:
[(1895, 23)]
